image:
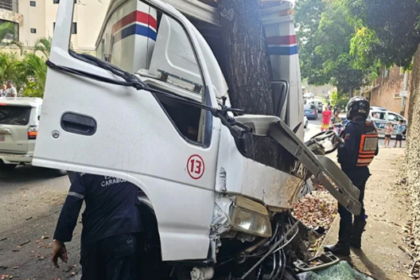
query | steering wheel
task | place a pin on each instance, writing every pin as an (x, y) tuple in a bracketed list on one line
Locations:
[(327, 137)]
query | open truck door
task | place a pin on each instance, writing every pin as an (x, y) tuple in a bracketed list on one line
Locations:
[(165, 147)]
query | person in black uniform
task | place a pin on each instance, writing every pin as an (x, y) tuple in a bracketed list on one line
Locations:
[(111, 227), (354, 155)]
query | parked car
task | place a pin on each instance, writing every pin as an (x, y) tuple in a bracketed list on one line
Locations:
[(318, 104), (305, 122), (376, 108), (381, 118), (310, 111), (19, 120), (308, 95)]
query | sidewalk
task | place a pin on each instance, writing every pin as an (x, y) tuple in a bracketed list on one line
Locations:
[(385, 204)]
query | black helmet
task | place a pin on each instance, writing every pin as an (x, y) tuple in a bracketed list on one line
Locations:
[(358, 106)]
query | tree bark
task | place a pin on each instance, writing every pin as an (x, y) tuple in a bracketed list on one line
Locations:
[(249, 73), (248, 68), (412, 147)]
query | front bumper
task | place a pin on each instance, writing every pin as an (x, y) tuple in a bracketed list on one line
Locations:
[(16, 158)]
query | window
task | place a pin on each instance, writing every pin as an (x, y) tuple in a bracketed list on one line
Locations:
[(169, 64), (32, 3), (74, 28), (58, 1), (378, 115), (9, 5), (394, 117), (33, 30), (11, 36), (15, 115)]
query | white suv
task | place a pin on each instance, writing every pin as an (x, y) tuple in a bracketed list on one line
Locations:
[(19, 120)]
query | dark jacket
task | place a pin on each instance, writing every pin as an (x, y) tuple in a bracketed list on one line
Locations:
[(348, 153), (111, 208)]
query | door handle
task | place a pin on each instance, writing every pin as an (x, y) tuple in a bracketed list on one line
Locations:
[(78, 124)]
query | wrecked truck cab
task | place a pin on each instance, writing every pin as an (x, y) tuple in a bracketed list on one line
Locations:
[(147, 110)]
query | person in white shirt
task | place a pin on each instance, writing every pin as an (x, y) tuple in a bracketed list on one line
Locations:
[(11, 90), (3, 91)]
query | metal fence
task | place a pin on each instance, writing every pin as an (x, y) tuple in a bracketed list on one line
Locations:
[(11, 5)]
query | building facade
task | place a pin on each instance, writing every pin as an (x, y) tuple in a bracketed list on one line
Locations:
[(391, 90), (35, 19)]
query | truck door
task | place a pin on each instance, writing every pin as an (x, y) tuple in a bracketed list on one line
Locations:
[(167, 148)]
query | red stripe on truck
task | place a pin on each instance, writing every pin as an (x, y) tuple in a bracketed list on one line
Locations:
[(281, 40), (135, 16)]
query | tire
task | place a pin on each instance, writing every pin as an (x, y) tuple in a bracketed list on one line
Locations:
[(58, 172), (7, 167)]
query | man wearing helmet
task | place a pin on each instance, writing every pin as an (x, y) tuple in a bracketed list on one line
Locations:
[(359, 148)]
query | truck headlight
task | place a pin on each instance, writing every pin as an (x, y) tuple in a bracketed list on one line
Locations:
[(251, 217)]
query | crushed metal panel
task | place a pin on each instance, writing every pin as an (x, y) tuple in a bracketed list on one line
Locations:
[(323, 168), (237, 174)]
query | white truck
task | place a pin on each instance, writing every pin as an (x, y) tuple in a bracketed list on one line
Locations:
[(153, 108)]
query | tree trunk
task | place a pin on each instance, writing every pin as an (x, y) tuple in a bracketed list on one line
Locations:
[(350, 93), (248, 68), (249, 73)]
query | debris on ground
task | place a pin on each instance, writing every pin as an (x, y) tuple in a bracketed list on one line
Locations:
[(316, 211), (342, 270), (24, 242), (415, 270)]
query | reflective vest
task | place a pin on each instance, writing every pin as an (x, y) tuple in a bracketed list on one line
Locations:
[(367, 148)]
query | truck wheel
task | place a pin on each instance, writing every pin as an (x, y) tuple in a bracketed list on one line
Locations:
[(7, 167), (60, 172), (57, 172)]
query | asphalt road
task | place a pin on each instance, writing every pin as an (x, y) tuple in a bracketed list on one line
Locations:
[(31, 199)]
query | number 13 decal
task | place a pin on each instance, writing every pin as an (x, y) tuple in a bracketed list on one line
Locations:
[(195, 167)]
